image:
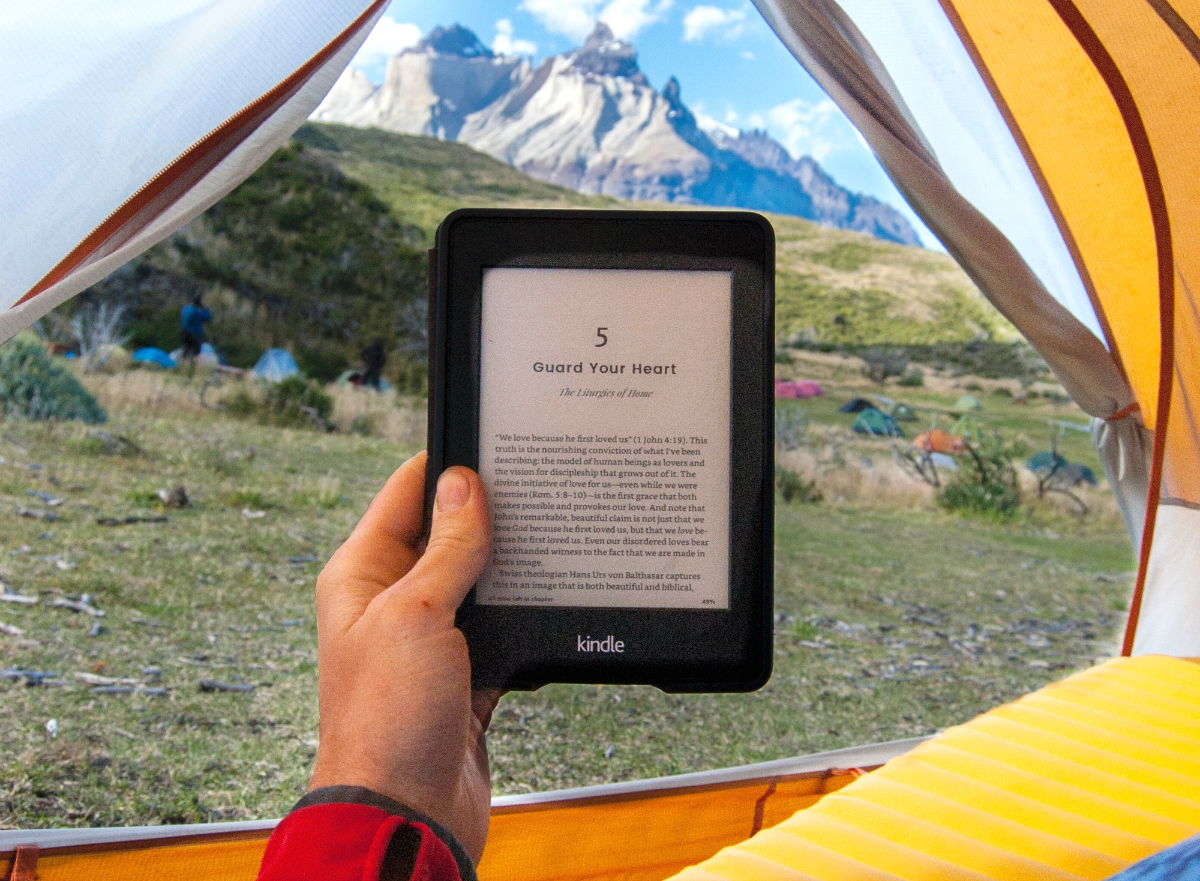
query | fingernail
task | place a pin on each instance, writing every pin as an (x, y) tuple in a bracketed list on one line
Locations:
[(453, 491)]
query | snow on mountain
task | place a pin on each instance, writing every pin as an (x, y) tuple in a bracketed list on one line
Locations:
[(590, 120)]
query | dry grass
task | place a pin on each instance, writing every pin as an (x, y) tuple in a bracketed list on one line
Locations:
[(148, 392), (379, 414), (153, 394)]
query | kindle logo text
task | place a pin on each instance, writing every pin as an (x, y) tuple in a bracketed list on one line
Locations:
[(606, 646)]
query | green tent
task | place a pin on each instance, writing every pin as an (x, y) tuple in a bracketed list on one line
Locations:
[(968, 402), (872, 421)]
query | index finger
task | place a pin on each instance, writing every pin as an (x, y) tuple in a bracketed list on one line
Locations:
[(383, 546)]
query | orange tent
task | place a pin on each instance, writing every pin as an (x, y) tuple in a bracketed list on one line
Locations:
[(937, 441)]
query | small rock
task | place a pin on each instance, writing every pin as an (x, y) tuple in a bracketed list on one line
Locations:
[(80, 605), (52, 728), (175, 498), (48, 516), (209, 685), (10, 630), (253, 515)]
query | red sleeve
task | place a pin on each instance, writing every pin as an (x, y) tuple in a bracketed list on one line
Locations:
[(354, 842)]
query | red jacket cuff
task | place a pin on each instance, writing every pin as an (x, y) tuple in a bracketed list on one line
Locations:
[(354, 842)]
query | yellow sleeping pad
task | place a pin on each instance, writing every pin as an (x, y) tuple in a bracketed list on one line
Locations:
[(1077, 780)]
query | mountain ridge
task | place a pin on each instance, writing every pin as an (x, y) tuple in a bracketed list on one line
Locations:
[(590, 120)]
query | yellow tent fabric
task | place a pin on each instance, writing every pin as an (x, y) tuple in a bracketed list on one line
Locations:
[(1075, 781)]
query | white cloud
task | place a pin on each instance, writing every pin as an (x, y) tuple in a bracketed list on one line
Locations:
[(389, 38), (505, 44), (627, 17), (701, 21), (572, 18), (576, 18), (817, 130)]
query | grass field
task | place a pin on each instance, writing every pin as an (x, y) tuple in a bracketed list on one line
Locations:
[(893, 618)]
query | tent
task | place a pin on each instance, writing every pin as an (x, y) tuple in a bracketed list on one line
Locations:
[(966, 403), (275, 365), (857, 405), (805, 388), (208, 356), (1050, 146), (877, 423), (937, 441), (152, 355), (1045, 461), (904, 413)]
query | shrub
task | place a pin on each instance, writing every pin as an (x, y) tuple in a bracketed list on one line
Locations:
[(782, 357), (790, 424), (794, 488), (33, 386), (297, 402), (882, 364), (914, 377), (986, 480), (322, 363), (412, 378)]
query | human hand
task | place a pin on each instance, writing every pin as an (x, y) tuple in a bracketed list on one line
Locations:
[(394, 680)]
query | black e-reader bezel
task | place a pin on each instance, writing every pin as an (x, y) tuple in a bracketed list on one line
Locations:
[(677, 650)]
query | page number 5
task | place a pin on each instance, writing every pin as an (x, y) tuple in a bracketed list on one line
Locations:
[(603, 337)]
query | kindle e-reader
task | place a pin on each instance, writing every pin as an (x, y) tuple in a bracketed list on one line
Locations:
[(609, 374)]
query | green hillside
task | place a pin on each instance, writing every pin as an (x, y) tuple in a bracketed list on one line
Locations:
[(424, 179), (321, 251), (834, 286)]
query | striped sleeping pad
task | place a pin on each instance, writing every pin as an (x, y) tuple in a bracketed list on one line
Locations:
[(1077, 780)]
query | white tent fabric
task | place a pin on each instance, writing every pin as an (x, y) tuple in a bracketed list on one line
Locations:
[(150, 113), (984, 205), (954, 110)]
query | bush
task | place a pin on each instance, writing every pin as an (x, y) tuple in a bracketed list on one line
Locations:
[(986, 480), (322, 363), (782, 357), (794, 488), (882, 364), (790, 424), (33, 386), (297, 402), (914, 377), (412, 378)]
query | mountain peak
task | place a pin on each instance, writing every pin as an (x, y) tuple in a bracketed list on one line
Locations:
[(603, 54), (454, 40)]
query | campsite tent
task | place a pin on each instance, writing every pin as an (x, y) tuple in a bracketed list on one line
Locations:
[(877, 423), (152, 355), (967, 403), (937, 441), (1049, 144), (275, 365), (856, 405), (805, 388), (208, 356)]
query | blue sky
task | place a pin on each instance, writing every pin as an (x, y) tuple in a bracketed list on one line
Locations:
[(730, 66)]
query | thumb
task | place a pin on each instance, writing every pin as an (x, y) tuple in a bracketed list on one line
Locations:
[(457, 551)]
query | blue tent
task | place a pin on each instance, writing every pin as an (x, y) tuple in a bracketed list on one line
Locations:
[(152, 355), (276, 365)]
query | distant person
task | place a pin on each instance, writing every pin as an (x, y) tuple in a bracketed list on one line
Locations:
[(192, 319), (374, 357)]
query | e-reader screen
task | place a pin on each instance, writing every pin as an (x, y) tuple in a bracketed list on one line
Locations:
[(604, 437)]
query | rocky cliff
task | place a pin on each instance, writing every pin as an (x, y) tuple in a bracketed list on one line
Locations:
[(590, 120)]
